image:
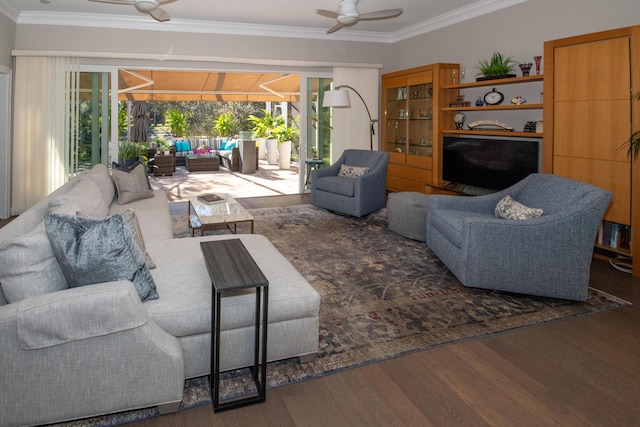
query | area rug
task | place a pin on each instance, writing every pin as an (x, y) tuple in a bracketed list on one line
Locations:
[(383, 296)]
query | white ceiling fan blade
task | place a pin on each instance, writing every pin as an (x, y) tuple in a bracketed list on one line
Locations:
[(335, 28), (159, 14), (327, 13), (380, 14)]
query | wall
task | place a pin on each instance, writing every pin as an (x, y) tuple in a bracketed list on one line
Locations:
[(7, 38), (519, 30)]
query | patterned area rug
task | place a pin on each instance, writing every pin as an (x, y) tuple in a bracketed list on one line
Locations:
[(383, 296)]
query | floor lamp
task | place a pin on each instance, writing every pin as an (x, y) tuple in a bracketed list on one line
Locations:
[(339, 97)]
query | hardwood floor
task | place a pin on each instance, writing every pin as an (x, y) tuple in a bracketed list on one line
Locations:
[(578, 372)]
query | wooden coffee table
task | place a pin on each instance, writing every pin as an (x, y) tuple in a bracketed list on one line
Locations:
[(206, 216)]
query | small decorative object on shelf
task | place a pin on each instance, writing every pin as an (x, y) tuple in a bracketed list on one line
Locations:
[(530, 127), (479, 102), (489, 123), (525, 68), (518, 100), (459, 119), (537, 59), (493, 97), (454, 76)]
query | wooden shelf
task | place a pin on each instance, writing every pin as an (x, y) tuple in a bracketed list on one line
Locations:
[(495, 107), (497, 82), (490, 132)]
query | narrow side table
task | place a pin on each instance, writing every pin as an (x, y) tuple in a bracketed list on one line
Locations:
[(312, 164), (231, 267)]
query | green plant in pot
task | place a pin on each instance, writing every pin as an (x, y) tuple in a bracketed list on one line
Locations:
[(497, 66), (284, 135), (130, 152), (263, 130), (177, 121)]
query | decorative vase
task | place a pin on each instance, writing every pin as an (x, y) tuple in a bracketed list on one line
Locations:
[(525, 68), (284, 154), (272, 151), (537, 59)]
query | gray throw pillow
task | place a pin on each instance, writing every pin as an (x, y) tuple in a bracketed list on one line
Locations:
[(98, 250), (507, 208), (131, 185)]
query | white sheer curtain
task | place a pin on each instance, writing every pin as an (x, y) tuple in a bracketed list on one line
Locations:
[(45, 130)]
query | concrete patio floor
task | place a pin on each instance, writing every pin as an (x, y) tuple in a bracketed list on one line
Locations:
[(268, 180)]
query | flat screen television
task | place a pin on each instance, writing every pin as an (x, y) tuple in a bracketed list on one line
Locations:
[(493, 164)]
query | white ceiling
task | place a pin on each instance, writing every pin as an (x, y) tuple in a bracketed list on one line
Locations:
[(290, 18)]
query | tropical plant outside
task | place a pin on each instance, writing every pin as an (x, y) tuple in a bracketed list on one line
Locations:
[(634, 139), (132, 150), (224, 124), (285, 133), (177, 121), (264, 127)]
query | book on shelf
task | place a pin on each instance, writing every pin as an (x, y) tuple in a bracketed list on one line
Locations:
[(614, 235), (211, 198)]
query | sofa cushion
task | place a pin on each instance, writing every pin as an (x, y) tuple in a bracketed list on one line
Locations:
[(507, 208), (85, 195), (337, 185), (132, 185), (352, 171), (28, 266), (100, 175), (98, 250)]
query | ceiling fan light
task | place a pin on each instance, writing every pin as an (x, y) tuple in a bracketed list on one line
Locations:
[(146, 5)]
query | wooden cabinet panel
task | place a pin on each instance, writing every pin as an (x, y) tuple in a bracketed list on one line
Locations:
[(613, 176), (592, 129), (592, 71)]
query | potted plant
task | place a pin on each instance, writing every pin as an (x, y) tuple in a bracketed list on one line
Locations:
[(264, 127), (130, 152), (284, 135), (497, 67)]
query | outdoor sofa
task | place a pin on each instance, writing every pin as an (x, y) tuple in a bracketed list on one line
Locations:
[(70, 353)]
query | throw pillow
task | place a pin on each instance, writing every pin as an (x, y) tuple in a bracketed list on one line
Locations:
[(118, 166), (352, 171), (98, 250), (132, 185), (131, 220), (28, 266), (507, 208)]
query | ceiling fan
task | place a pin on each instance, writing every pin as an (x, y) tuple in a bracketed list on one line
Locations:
[(348, 14), (152, 7)]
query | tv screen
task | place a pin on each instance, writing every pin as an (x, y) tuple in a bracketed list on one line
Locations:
[(488, 163)]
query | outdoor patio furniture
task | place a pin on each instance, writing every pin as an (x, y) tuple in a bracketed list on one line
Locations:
[(164, 165), (203, 163)]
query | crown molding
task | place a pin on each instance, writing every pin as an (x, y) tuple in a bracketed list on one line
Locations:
[(146, 23), (466, 13)]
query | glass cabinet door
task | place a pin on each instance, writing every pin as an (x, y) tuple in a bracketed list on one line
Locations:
[(420, 117), (395, 124)]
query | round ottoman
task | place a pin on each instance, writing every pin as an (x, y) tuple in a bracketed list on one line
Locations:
[(407, 214)]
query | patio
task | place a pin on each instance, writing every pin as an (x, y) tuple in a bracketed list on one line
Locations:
[(268, 180)]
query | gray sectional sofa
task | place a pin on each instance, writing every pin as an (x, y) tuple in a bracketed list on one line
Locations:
[(70, 353)]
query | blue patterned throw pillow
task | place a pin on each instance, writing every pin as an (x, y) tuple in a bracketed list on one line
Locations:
[(96, 250)]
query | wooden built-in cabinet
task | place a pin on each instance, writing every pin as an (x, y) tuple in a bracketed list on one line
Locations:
[(410, 125), (589, 115)]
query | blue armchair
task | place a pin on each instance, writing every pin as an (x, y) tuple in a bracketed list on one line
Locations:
[(547, 256), (357, 196)]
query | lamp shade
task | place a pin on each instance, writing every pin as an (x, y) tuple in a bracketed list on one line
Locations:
[(336, 98)]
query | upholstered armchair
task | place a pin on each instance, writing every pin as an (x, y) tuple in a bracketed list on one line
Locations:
[(549, 255), (358, 190)]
